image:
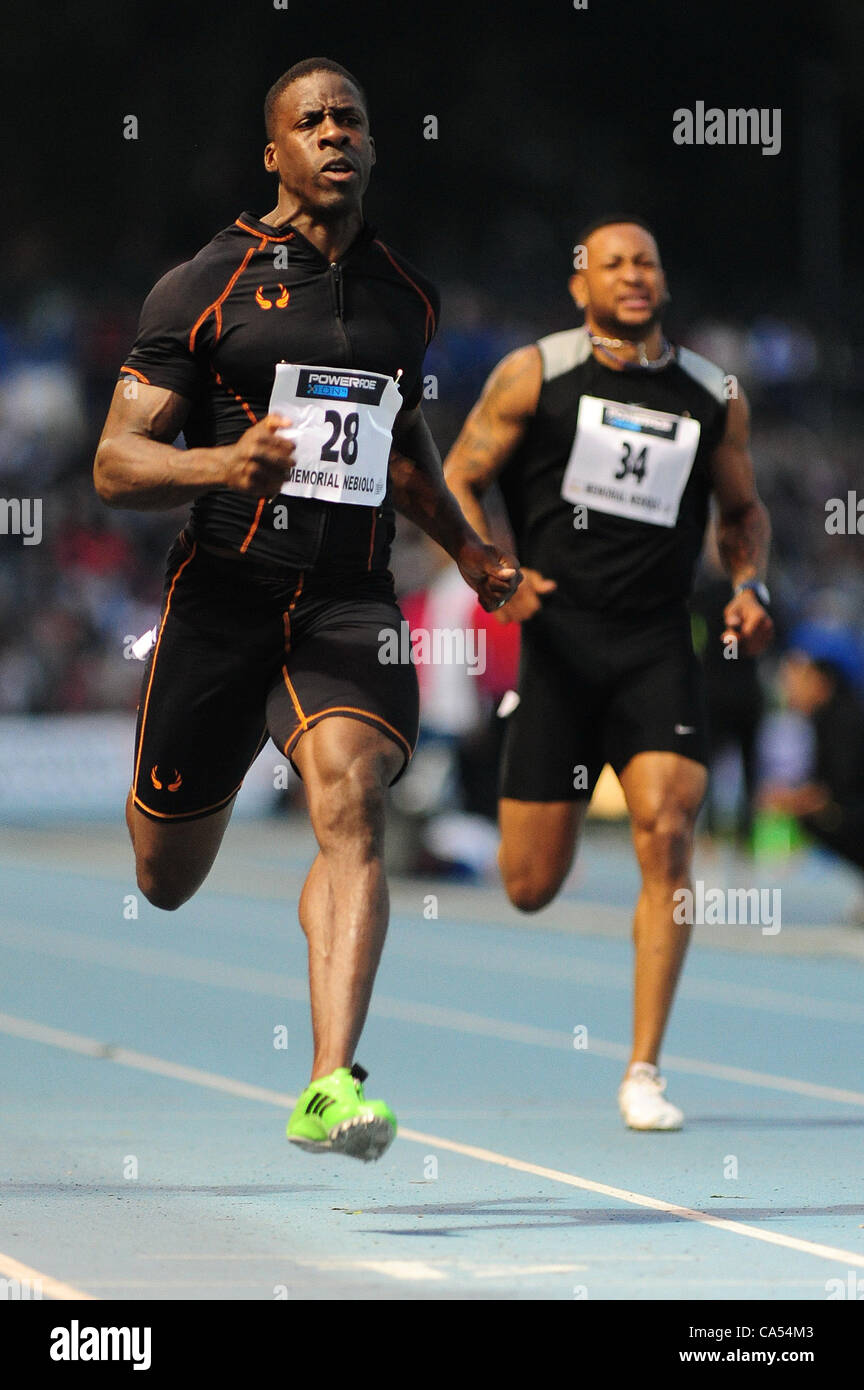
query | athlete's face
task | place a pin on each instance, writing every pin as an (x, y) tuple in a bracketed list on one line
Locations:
[(622, 288), (321, 146)]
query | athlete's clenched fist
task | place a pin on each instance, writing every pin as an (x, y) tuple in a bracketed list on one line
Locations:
[(746, 620), (493, 575), (259, 461)]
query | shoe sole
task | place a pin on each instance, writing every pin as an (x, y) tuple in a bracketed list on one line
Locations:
[(655, 1128), (366, 1137)]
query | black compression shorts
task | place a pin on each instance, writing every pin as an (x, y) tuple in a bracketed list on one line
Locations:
[(244, 650), (595, 689)]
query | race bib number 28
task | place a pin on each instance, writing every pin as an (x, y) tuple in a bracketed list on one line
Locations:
[(341, 424), (630, 461)]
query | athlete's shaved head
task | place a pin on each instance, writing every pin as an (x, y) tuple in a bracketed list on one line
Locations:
[(613, 220), (303, 69)]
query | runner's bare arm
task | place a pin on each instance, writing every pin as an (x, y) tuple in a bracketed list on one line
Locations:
[(492, 431), (743, 527), (489, 437), (137, 465), (421, 494)]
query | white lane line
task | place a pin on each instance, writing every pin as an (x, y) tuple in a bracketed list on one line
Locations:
[(439, 1268), (591, 974), (638, 1199), (140, 1061), (410, 1270), (453, 953), (460, 1264), (458, 1020), (42, 1285), (523, 1271), (167, 964), (212, 1080), (191, 1284), (480, 1271), (768, 1080), (151, 960)]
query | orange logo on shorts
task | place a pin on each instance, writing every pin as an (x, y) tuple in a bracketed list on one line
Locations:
[(264, 303), (172, 786)]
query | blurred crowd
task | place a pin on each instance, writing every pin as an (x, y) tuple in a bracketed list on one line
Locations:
[(71, 605)]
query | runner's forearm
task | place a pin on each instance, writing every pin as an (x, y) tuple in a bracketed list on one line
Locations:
[(743, 540), (143, 474), (420, 492)]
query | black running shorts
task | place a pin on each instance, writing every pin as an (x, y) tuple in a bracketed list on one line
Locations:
[(595, 689), (244, 651)]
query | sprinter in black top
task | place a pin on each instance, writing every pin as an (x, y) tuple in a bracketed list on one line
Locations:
[(280, 351), (608, 444), (613, 562), (212, 331)]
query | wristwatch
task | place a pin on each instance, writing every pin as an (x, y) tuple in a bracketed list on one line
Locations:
[(759, 589)]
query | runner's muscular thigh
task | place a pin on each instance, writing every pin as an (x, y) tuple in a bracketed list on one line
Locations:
[(172, 859), (346, 768), (538, 843)]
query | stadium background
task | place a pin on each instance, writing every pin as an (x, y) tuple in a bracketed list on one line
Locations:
[(127, 1033), (547, 116)]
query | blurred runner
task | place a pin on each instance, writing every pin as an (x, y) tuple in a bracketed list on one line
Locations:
[(608, 443)]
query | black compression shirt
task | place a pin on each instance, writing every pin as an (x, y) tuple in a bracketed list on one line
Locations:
[(608, 562), (213, 330)]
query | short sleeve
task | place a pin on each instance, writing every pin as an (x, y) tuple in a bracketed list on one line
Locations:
[(162, 355)]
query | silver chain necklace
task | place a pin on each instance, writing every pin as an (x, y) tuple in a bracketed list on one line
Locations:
[(650, 364)]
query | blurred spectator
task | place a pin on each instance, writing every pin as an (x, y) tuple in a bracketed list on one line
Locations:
[(820, 679), (70, 605)]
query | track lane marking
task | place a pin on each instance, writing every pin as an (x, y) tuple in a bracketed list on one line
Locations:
[(168, 964), (580, 970), (143, 1061), (584, 971), (54, 1288)]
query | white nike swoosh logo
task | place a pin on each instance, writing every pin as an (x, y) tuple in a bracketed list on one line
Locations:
[(685, 729)]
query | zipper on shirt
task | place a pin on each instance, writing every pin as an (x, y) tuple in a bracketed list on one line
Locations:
[(336, 288), (336, 292)]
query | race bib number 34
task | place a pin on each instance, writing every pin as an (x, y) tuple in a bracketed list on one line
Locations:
[(341, 424), (630, 461)]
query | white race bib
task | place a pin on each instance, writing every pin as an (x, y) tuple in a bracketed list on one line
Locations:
[(630, 461), (341, 423)]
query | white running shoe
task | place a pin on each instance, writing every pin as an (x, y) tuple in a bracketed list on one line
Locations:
[(641, 1102)]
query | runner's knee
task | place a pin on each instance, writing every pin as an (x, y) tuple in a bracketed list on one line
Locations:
[(664, 842), (163, 889), (348, 807), (528, 894), (528, 884)]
